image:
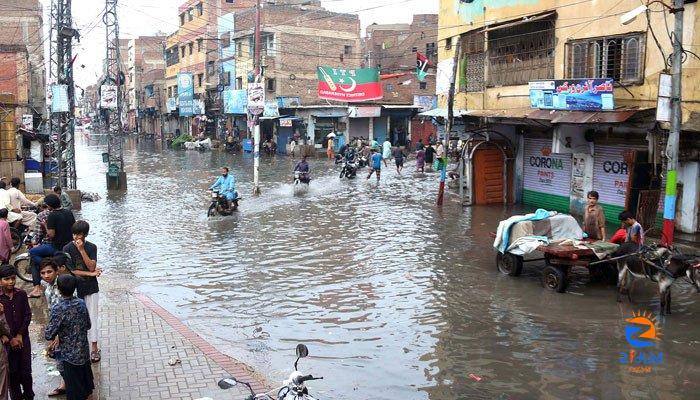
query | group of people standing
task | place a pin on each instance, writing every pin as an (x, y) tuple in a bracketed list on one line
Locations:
[(64, 271)]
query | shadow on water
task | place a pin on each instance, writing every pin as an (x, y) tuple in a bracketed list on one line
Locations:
[(395, 297)]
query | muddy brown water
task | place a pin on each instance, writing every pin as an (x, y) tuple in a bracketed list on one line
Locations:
[(395, 298)]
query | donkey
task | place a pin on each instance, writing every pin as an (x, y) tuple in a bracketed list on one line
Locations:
[(659, 266)]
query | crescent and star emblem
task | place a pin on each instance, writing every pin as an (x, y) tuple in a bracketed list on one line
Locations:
[(351, 88)]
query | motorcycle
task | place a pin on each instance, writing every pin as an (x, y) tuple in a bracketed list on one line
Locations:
[(349, 170), (292, 389), (301, 182), (220, 204), (362, 162)]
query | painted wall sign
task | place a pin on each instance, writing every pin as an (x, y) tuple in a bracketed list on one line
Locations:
[(426, 103), (573, 94), (185, 94), (287, 102), (581, 182), (546, 176)]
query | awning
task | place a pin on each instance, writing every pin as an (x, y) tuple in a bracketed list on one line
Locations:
[(521, 21), (400, 107), (565, 117), (275, 117), (441, 113)]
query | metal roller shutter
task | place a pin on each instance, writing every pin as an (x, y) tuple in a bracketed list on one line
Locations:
[(546, 177)]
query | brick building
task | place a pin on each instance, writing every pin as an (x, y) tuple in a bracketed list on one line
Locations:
[(21, 38), (146, 68)]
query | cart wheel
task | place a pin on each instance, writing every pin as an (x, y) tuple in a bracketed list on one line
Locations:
[(596, 274), (554, 278), (509, 264)]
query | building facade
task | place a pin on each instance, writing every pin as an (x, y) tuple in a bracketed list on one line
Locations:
[(549, 151), (146, 70)]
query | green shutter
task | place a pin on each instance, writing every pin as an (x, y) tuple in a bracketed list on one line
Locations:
[(549, 202)]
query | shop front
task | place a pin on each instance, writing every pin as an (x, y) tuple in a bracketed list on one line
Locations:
[(546, 176)]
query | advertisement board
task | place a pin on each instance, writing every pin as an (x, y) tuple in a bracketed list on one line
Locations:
[(364, 112), (59, 98), (351, 85), (573, 94), (256, 98), (185, 94), (235, 101)]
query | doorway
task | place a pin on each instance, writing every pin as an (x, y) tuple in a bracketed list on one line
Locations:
[(488, 176)]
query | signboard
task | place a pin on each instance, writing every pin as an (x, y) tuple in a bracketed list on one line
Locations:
[(59, 98), (271, 110), (171, 104), (108, 97), (426, 103), (573, 94), (28, 122), (663, 104), (256, 98), (235, 101), (287, 102), (445, 69), (351, 85), (364, 112), (198, 107), (185, 94), (286, 122)]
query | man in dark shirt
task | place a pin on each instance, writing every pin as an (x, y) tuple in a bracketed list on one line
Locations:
[(59, 232), (429, 155)]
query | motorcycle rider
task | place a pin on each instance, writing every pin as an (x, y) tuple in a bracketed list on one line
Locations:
[(303, 168), (226, 186)]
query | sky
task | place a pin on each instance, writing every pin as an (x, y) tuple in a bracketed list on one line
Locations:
[(148, 17)]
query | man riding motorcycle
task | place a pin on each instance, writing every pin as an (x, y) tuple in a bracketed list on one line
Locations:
[(226, 186), (304, 172)]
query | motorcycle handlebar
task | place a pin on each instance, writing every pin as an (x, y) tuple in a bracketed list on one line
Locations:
[(305, 378)]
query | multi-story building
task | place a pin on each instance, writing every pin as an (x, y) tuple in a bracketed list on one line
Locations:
[(194, 49), (145, 67), (393, 49), (560, 98), (296, 39), (23, 66)]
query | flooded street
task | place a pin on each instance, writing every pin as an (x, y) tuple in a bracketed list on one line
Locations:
[(395, 298)]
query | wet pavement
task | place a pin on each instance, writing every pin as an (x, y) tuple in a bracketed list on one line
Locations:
[(395, 297)]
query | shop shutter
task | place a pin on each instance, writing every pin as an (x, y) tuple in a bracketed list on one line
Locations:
[(547, 177)]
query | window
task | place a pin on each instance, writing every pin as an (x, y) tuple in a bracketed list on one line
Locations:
[(618, 57), (183, 48), (268, 44), (389, 87), (431, 51), (171, 56), (190, 14), (251, 46), (226, 78), (414, 49), (239, 48), (471, 66), (271, 84), (347, 50), (226, 40), (170, 92), (239, 83), (200, 80), (521, 53), (200, 43), (448, 43), (191, 47), (200, 9), (211, 68), (182, 19), (423, 85)]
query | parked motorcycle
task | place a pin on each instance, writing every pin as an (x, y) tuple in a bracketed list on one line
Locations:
[(220, 204), (293, 388)]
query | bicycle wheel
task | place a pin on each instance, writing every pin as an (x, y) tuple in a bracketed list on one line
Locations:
[(24, 269)]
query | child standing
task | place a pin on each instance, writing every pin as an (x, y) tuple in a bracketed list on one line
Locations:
[(49, 270), (4, 332), (376, 162), (68, 329), (83, 264), (19, 351), (420, 160), (6, 243)]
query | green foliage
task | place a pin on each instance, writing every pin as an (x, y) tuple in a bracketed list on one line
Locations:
[(180, 140)]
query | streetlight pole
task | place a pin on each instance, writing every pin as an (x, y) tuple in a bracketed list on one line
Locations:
[(258, 79), (676, 122)]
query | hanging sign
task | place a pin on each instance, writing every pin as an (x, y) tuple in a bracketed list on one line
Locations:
[(573, 94), (171, 104), (108, 97), (581, 182), (59, 98), (349, 85), (185, 94), (256, 98), (663, 103)]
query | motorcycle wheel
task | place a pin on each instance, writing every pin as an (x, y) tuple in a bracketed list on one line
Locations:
[(212, 211), (16, 240), (342, 174), (24, 269)]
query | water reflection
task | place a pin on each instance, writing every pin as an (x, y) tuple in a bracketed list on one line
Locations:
[(394, 297)]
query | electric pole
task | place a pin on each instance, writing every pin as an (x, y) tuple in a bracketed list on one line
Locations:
[(676, 122), (62, 124), (116, 176), (448, 124), (256, 120)]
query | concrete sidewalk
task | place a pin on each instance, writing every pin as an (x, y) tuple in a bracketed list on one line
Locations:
[(139, 341)]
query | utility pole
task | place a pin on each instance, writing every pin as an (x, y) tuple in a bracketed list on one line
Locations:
[(116, 176), (62, 125), (258, 79), (676, 122), (448, 125)]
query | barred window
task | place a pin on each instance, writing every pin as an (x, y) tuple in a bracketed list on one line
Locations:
[(521, 53), (618, 57), (471, 68)]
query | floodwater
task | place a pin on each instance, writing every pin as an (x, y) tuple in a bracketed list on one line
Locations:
[(395, 298)]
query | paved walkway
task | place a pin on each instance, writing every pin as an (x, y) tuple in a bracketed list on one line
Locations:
[(139, 340)]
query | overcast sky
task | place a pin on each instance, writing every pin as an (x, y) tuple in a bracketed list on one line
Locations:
[(148, 17)]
